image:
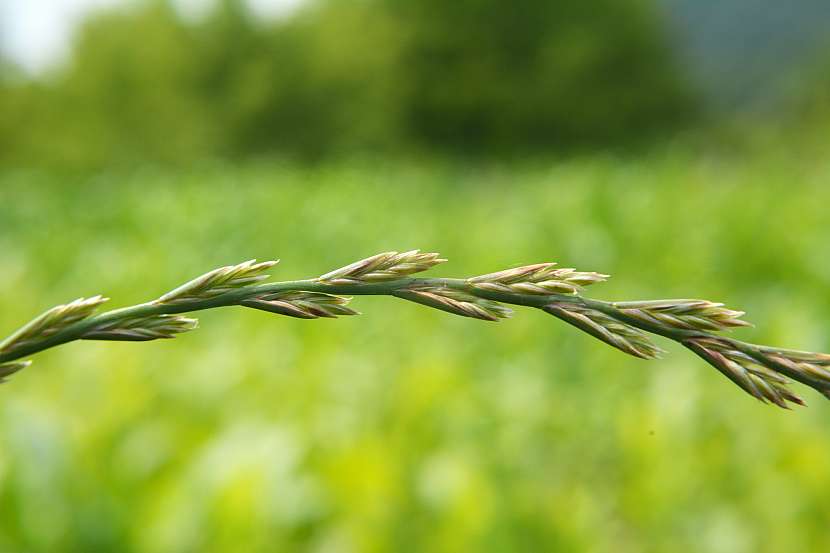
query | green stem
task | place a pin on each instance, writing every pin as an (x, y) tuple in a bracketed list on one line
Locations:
[(77, 330), (623, 325)]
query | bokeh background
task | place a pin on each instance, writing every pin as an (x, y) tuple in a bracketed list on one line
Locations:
[(679, 145)]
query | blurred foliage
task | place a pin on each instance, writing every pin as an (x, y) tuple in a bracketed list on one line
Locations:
[(807, 114), (473, 76), (538, 73), (407, 429)]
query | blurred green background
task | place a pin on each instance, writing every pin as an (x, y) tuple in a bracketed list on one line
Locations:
[(627, 137)]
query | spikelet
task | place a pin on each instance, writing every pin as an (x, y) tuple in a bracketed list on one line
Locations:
[(218, 282), (624, 337), (683, 314), (51, 322), (8, 369), (812, 369), (302, 305), (457, 303), (752, 375), (383, 267), (541, 279), (142, 328)]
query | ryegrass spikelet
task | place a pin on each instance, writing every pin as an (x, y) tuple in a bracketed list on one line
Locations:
[(302, 305), (383, 267), (51, 322), (457, 303), (218, 282), (684, 314), (812, 369), (142, 328), (747, 372), (620, 335), (8, 369), (541, 278)]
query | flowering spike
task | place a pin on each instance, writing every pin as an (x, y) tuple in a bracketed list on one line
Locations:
[(763, 372)]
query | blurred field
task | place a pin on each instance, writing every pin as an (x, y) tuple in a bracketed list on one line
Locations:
[(407, 429)]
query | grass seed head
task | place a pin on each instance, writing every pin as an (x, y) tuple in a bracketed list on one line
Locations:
[(763, 372)]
